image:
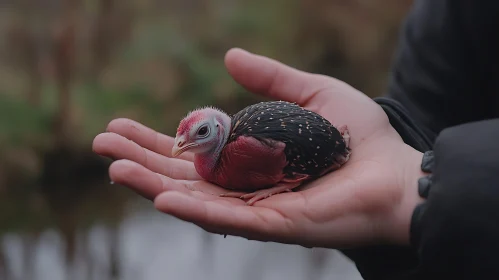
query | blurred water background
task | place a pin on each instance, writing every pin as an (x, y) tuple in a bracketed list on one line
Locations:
[(68, 67)]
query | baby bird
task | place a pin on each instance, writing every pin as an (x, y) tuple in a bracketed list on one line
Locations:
[(265, 149)]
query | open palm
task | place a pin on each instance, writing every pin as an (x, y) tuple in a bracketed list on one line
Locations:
[(365, 201)]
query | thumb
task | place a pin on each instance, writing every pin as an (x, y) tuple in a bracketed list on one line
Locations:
[(271, 78)]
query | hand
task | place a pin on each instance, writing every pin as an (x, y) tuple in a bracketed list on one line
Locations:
[(369, 200)]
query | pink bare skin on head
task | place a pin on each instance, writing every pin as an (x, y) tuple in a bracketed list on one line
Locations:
[(189, 121)]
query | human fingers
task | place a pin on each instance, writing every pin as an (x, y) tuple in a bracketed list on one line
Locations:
[(118, 147), (254, 223), (145, 137), (142, 180), (150, 184), (273, 79)]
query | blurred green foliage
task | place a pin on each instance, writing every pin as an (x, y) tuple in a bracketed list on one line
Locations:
[(20, 122)]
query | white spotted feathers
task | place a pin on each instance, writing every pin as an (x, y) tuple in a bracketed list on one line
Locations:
[(313, 145)]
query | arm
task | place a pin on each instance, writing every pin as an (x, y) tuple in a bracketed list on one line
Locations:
[(441, 77), (456, 230), (446, 62)]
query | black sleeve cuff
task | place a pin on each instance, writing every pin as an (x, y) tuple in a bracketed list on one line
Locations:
[(455, 231), (411, 132), (424, 186)]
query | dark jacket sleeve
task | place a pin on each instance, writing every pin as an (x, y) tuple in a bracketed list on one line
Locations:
[(456, 230)]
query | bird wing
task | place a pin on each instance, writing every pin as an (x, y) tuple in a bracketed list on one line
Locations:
[(248, 164)]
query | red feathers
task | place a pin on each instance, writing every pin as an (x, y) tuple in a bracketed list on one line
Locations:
[(246, 165)]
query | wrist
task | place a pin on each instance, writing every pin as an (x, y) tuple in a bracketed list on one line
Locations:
[(409, 200)]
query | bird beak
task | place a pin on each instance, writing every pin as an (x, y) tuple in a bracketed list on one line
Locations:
[(180, 146)]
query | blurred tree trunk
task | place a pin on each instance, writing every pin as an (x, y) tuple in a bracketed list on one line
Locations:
[(102, 36), (59, 198), (23, 47), (114, 268), (29, 243), (111, 29), (64, 55)]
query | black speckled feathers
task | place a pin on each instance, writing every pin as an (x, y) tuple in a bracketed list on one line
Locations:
[(313, 144)]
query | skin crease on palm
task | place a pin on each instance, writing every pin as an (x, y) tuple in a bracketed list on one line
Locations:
[(368, 201)]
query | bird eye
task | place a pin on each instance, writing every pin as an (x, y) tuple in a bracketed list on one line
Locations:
[(203, 131)]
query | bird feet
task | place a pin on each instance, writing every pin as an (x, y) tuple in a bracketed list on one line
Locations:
[(262, 194)]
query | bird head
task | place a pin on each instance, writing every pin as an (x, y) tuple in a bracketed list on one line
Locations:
[(201, 131)]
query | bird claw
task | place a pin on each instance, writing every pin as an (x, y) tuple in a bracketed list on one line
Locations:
[(232, 194), (262, 194), (259, 195), (253, 197), (266, 193)]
